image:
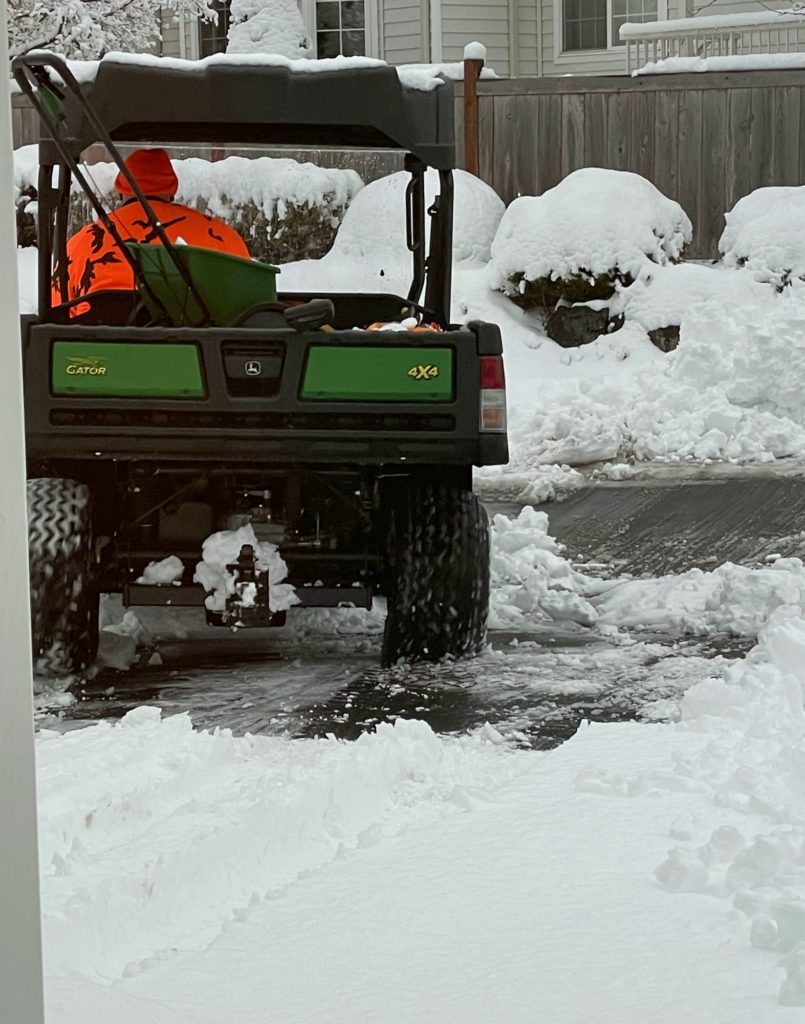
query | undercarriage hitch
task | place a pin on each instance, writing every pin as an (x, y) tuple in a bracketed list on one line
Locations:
[(248, 604)]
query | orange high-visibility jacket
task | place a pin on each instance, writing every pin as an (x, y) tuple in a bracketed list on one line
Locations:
[(94, 261)]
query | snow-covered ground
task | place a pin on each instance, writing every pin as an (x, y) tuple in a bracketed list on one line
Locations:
[(640, 871)]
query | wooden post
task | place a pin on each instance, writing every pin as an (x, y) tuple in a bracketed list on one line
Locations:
[(20, 943), (474, 58)]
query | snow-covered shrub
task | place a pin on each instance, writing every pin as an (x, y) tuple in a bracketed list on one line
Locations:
[(284, 209), (370, 251), (268, 26), (575, 242), (765, 233), (90, 28)]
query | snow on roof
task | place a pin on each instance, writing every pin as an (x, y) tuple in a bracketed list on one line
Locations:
[(746, 62), (595, 221)]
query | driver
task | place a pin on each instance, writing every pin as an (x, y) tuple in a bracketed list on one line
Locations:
[(94, 262)]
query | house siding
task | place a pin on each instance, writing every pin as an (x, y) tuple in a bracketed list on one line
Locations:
[(464, 21), (404, 31)]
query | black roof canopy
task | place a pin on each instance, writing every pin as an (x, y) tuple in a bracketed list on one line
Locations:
[(236, 102)]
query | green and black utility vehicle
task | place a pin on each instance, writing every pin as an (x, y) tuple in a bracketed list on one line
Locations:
[(203, 400)]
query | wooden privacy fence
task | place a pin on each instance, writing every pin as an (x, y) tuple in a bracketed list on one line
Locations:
[(703, 139)]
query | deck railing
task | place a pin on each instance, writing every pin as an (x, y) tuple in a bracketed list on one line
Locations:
[(724, 35)]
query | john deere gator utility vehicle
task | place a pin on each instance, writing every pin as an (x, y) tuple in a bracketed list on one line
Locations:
[(204, 400)]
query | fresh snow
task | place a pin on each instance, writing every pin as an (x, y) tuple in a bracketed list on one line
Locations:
[(573, 229), (765, 233), (639, 871), (420, 77), (267, 26), (743, 62)]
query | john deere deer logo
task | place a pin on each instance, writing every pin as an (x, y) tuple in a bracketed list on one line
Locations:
[(89, 366), (423, 372)]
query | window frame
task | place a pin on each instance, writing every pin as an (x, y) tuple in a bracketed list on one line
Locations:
[(612, 50), (371, 24)]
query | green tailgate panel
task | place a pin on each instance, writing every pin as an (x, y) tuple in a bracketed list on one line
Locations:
[(375, 374), (119, 370)]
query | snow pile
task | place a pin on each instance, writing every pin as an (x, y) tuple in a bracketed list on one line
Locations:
[(168, 570), (594, 222), (370, 252), (267, 26), (185, 833), (765, 233), (531, 580), (663, 296), (223, 549), (731, 391), (744, 842)]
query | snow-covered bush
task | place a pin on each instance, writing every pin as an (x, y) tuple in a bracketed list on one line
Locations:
[(370, 250), (89, 28), (284, 209), (576, 241), (267, 26), (765, 233)]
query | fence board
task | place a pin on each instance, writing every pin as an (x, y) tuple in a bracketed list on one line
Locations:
[(619, 128), (549, 135), (503, 155), (640, 138), (761, 138), (524, 145), (710, 214), (666, 143), (787, 103), (737, 177), (690, 165), (486, 140), (572, 114), (595, 130)]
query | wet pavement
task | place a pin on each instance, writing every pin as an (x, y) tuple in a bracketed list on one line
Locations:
[(534, 688)]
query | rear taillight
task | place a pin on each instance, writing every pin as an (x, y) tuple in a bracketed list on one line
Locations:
[(493, 393)]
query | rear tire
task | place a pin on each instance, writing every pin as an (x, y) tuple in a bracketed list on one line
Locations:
[(64, 598), (438, 595)]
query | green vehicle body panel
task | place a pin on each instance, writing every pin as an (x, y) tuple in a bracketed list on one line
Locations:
[(123, 370), (368, 373)]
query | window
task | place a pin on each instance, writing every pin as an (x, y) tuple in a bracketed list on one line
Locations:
[(212, 35), (340, 28), (595, 24), (630, 10), (585, 25)]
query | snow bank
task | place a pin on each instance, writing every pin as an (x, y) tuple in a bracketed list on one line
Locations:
[(185, 833), (533, 582), (593, 222), (765, 233), (273, 28), (370, 252), (663, 296)]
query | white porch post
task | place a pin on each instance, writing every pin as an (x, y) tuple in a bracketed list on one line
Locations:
[(21, 1000)]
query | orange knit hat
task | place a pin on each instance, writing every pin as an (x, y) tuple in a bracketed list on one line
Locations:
[(152, 170)]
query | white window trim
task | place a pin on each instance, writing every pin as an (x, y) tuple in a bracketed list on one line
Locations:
[(308, 9), (561, 56)]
